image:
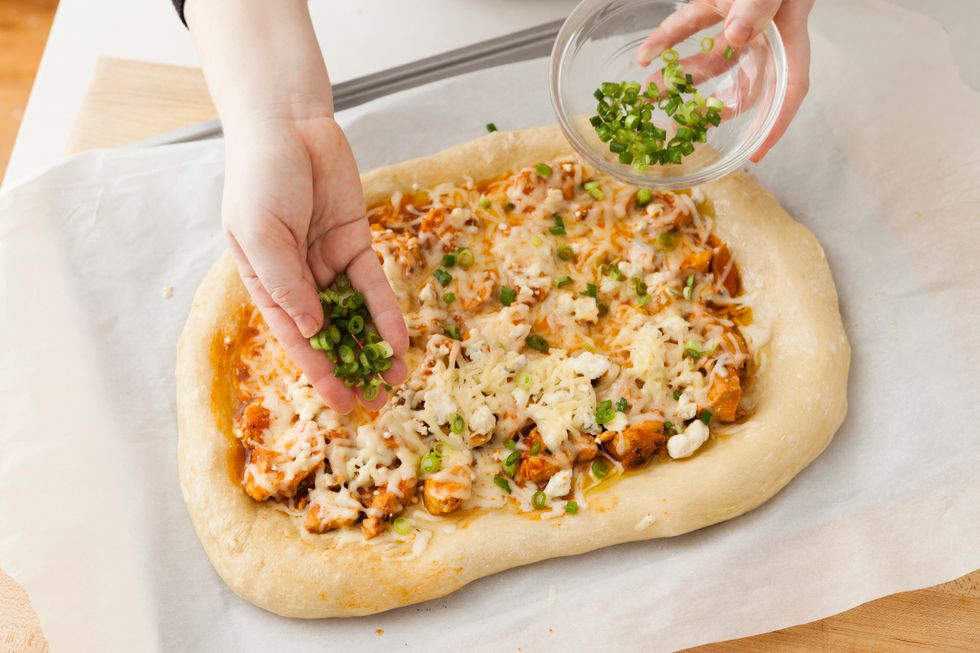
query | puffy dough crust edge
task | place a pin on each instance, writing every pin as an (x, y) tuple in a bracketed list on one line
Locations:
[(261, 555)]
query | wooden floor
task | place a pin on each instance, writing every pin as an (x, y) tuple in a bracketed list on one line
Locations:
[(24, 26)]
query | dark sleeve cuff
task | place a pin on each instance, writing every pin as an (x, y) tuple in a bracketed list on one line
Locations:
[(179, 5)]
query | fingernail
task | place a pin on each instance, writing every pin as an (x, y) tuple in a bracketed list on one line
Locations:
[(306, 325), (738, 32)]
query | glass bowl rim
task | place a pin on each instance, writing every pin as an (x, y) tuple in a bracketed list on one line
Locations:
[(731, 162)]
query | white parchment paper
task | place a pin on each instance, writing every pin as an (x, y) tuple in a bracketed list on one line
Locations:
[(883, 164)]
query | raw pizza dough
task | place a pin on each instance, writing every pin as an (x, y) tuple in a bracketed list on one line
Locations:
[(799, 396)]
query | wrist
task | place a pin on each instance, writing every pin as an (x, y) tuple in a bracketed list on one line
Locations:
[(261, 60)]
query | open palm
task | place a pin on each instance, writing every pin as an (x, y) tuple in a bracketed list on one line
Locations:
[(293, 211)]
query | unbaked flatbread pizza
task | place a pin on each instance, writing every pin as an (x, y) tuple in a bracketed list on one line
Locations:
[(590, 364)]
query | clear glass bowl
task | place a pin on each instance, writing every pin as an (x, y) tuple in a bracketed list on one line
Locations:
[(599, 42)]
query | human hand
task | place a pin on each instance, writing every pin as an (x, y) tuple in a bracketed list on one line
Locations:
[(744, 20), (293, 207)]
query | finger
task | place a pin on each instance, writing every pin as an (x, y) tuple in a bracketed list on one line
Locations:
[(797, 42), (397, 373), (312, 363), (366, 275), (747, 18), (688, 20), (279, 262)]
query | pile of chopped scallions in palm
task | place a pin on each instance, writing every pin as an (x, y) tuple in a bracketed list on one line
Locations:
[(624, 115), (350, 341)]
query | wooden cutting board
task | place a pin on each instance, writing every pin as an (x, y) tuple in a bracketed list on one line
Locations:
[(129, 101)]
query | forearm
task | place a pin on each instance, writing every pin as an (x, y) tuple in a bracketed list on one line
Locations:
[(261, 60)]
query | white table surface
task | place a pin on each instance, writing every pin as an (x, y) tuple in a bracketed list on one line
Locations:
[(358, 37)]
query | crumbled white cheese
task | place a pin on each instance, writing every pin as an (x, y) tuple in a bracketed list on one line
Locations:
[(559, 485), (427, 296), (685, 444), (482, 420), (441, 404), (686, 409), (590, 365)]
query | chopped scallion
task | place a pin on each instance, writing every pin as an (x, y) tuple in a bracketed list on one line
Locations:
[(443, 277), (534, 341), (539, 499), (502, 483), (600, 468)]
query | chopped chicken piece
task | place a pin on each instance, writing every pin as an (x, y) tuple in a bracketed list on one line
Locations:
[(278, 470), (447, 490), (636, 444), (724, 393)]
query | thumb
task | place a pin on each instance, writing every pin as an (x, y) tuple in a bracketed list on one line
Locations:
[(287, 279), (747, 18)]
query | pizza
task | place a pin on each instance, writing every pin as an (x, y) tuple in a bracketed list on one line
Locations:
[(590, 364)]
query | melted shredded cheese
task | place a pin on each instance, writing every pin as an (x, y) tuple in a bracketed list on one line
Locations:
[(645, 321)]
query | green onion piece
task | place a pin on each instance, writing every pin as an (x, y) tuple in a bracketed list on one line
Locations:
[(714, 103), (449, 297), (600, 468), (509, 206), (451, 330), (491, 128), (706, 416), (356, 324), (562, 281), (502, 483), (510, 444), (559, 228), (668, 427), (510, 463), (604, 412), (448, 261), (371, 390), (692, 349), (571, 507), (644, 300), (346, 354), (689, 288), (667, 241), (430, 463), (643, 197), (613, 271), (593, 189), (622, 405), (534, 341), (707, 43), (457, 425), (543, 169), (443, 277), (729, 51), (536, 448), (402, 526), (464, 258), (484, 202), (677, 394), (670, 55), (603, 309), (566, 253), (525, 380), (539, 499), (342, 282), (507, 295), (591, 290)]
